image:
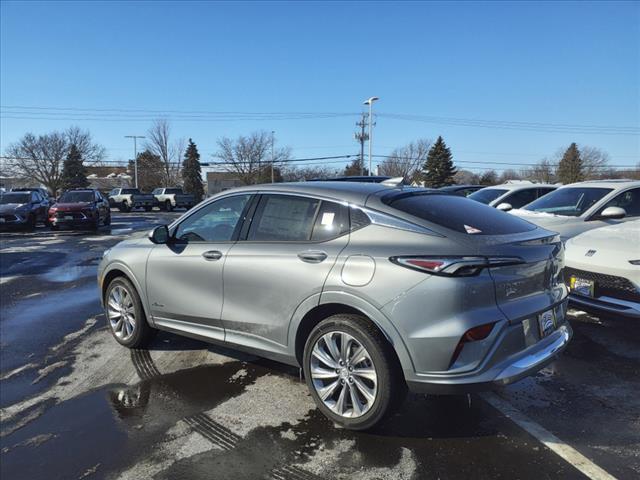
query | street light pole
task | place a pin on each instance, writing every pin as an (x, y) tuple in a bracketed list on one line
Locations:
[(272, 157), (370, 103), (135, 155)]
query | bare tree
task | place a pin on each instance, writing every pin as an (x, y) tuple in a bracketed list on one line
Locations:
[(406, 161), (301, 174), (542, 172), (465, 177), (159, 144), (248, 156), (40, 158)]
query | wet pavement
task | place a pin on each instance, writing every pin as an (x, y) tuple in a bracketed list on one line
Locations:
[(74, 404)]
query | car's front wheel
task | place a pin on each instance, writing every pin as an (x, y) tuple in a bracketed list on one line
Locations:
[(352, 372), (125, 315)]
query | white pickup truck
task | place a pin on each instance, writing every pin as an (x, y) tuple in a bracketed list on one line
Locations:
[(126, 199), (170, 198)]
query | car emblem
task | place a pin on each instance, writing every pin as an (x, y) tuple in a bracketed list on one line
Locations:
[(590, 253)]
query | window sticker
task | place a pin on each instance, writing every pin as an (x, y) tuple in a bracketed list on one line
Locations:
[(327, 218), (472, 230)]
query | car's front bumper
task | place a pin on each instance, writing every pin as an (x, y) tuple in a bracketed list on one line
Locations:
[(606, 305), (13, 220), (511, 369)]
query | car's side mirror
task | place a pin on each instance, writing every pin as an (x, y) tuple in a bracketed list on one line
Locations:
[(613, 213), (159, 235), (505, 207)]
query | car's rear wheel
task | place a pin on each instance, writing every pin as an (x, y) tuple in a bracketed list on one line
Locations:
[(147, 209), (124, 206), (352, 371), (167, 205), (125, 315)]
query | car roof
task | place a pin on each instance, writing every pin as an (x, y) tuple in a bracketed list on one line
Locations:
[(511, 187), (615, 184), (354, 178), (459, 187)]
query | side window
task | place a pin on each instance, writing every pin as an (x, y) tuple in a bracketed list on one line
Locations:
[(34, 197), (629, 200), (283, 218), (216, 222), (113, 192), (331, 222), (521, 197)]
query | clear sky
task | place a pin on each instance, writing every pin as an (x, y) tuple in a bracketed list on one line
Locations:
[(573, 63)]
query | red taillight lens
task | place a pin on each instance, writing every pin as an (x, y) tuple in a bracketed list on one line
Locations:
[(472, 335), (425, 264)]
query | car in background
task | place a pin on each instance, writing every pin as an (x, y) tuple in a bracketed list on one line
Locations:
[(170, 198), (80, 208), (602, 270), (42, 191), (461, 190), (354, 178), (370, 288), (578, 207), (22, 209), (126, 199), (511, 195)]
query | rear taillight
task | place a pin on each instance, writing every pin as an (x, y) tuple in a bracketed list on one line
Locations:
[(472, 335), (453, 266)]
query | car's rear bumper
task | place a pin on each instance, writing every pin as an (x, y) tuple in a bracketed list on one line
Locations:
[(512, 369), (607, 305)]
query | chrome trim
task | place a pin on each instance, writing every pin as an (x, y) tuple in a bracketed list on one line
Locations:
[(386, 220)]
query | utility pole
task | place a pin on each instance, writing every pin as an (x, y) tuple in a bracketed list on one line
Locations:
[(370, 103), (361, 137), (135, 155), (272, 156)]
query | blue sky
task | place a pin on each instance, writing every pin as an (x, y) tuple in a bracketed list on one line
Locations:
[(575, 63)]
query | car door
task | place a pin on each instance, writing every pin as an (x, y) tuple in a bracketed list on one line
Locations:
[(184, 276), (282, 259), (38, 206)]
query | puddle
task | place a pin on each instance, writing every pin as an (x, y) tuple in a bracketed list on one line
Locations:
[(69, 273)]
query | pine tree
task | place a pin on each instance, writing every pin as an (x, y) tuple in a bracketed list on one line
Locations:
[(355, 168), (191, 172), (74, 173), (438, 170), (570, 167), (150, 171)]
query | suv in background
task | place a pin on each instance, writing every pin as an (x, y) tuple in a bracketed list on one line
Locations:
[(512, 195), (42, 191), (80, 207), (22, 209)]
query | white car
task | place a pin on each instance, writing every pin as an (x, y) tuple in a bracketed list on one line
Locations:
[(511, 195), (602, 270), (578, 207)]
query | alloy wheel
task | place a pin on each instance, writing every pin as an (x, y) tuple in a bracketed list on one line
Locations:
[(343, 374), (121, 311)]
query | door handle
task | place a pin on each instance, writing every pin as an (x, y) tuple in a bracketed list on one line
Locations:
[(312, 256), (212, 255)]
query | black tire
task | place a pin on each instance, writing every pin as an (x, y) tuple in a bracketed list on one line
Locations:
[(167, 206), (95, 225), (143, 333), (107, 221), (31, 222), (148, 209), (391, 388), (124, 207)]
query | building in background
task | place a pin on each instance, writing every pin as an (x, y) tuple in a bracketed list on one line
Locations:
[(220, 181)]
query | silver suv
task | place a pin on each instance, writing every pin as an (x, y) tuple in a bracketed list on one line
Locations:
[(370, 288)]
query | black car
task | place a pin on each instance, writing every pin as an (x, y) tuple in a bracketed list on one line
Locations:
[(22, 209), (461, 190), (42, 191), (78, 208)]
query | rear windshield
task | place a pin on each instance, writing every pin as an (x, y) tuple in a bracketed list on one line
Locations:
[(76, 197), (15, 198), (461, 214), (568, 201), (487, 195)]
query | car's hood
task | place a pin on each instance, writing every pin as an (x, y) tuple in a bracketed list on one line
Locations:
[(10, 207), (623, 238), (70, 207), (544, 219)]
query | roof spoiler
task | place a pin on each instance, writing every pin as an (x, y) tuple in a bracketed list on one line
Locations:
[(393, 182)]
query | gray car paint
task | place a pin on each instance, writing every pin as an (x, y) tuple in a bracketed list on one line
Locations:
[(257, 295)]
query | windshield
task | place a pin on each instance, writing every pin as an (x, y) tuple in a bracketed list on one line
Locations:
[(487, 195), (15, 198), (76, 197), (569, 202)]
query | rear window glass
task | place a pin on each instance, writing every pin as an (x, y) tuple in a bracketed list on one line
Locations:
[(487, 195), (461, 214)]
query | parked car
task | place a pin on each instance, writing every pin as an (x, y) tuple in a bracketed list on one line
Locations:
[(462, 190), (170, 198), (354, 178), (603, 270), (508, 196), (126, 199), (22, 209), (578, 207), (42, 191), (80, 208), (370, 288)]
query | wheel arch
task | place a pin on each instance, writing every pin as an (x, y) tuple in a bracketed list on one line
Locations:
[(119, 270)]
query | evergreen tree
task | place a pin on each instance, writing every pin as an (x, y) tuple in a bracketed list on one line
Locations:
[(570, 167), (74, 173), (355, 168), (438, 170), (150, 171), (191, 172)]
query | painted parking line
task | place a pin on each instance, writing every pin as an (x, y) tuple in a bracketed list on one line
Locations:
[(557, 446)]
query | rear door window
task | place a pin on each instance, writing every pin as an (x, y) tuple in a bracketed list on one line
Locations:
[(521, 197), (331, 222), (487, 195), (629, 200), (460, 214), (284, 218)]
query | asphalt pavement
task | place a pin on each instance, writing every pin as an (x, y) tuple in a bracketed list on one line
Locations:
[(74, 404)]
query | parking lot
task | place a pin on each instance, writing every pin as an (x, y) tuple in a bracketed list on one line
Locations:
[(75, 404)]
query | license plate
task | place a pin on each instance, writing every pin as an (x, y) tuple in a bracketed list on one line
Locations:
[(547, 323), (1, 220), (582, 286), (68, 217)]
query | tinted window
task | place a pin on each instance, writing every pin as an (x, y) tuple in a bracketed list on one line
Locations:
[(130, 191), (358, 219), (216, 222), (171, 191), (77, 197), (570, 201), (543, 191), (157, 191), (521, 197), (487, 195), (331, 222), (14, 198), (282, 218), (629, 200), (461, 215)]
